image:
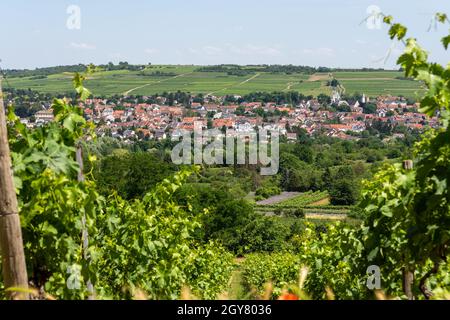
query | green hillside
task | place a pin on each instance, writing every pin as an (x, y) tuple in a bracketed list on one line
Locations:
[(171, 78)]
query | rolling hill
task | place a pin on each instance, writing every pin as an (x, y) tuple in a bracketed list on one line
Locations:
[(171, 78)]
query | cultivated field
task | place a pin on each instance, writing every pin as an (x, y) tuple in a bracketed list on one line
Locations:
[(186, 78), (379, 83), (314, 204)]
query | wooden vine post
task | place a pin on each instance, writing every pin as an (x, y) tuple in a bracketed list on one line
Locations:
[(11, 243), (407, 273), (84, 234)]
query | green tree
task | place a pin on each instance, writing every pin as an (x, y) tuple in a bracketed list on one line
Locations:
[(342, 186), (131, 174), (369, 108), (323, 98)]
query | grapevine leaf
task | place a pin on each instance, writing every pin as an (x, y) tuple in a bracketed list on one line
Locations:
[(446, 41)]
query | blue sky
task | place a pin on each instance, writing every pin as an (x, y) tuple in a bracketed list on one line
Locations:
[(301, 32)]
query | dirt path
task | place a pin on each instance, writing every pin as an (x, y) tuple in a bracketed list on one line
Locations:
[(235, 287), (289, 86), (154, 82), (326, 216), (278, 198), (314, 215), (323, 202), (236, 85), (318, 77), (368, 79), (249, 79)]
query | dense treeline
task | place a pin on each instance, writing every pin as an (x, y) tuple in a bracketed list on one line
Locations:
[(291, 97), (233, 69), (157, 74), (27, 102), (42, 73)]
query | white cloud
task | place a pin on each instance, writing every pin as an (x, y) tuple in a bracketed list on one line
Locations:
[(206, 50), (82, 46), (231, 51), (324, 52), (254, 50), (115, 56), (308, 51), (210, 50), (151, 50), (193, 51)]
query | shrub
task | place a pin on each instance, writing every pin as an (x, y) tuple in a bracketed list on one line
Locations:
[(278, 211), (259, 198), (281, 269), (208, 270), (295, 213), (266, 192)]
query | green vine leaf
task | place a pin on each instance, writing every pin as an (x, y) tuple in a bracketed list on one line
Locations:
[(397, 30), (446, 41), (80, 89)]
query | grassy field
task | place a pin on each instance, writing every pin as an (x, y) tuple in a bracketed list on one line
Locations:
[(186, 78)]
